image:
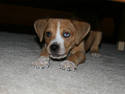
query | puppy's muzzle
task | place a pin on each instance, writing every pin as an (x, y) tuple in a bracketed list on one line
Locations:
[(55, 51)]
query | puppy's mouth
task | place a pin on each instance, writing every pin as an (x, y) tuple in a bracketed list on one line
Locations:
[(58, 56)]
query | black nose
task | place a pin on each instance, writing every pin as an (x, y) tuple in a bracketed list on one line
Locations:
[(54, 47)]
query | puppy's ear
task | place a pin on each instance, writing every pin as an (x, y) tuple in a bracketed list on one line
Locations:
[(82, 29), (40, 26)]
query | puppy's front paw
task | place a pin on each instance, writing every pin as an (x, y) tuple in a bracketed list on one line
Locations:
[(68, 65), (41, 63)]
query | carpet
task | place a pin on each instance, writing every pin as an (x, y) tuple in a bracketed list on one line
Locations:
[(102, 75)]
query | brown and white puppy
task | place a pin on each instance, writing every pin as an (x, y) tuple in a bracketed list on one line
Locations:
[(64, 40)]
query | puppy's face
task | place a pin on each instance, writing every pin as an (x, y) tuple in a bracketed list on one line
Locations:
[(60, 36)]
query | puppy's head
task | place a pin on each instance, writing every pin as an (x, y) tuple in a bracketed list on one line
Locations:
[(61, 35)]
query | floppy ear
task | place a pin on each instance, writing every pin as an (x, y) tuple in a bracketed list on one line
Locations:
[(40, 26), (82, 29)]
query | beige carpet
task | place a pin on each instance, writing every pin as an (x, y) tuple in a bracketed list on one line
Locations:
[(103, 75)]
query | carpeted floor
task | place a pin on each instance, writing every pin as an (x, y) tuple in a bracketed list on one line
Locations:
[(103, 75)]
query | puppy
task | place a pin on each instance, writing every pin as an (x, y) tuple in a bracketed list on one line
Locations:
[(65, 39)]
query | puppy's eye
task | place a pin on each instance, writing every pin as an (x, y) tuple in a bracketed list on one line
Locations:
[(48, 34), (66, 34)]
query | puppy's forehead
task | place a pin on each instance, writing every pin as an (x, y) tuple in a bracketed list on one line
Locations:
[(52, 24), (64, 23)]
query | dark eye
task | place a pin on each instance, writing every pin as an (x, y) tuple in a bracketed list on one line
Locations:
[(66, 34), (48, 34)]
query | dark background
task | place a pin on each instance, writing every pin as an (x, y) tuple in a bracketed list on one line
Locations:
[(18, 16)]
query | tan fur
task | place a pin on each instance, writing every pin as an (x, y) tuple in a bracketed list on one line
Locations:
[(40, 26), (44, 52), (96, 42), (78, 54), (93, 41), (74, 44), (82, 29)]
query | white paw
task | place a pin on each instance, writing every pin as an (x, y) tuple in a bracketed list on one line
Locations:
[(41, 63), (68, 65), (95, 54)]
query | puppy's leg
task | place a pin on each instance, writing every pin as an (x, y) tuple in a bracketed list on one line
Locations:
[(95, 46), (76, 57), (43, 61), (73, 61), (89, 40)]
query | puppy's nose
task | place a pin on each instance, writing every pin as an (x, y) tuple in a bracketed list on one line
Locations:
[(54, 47)]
